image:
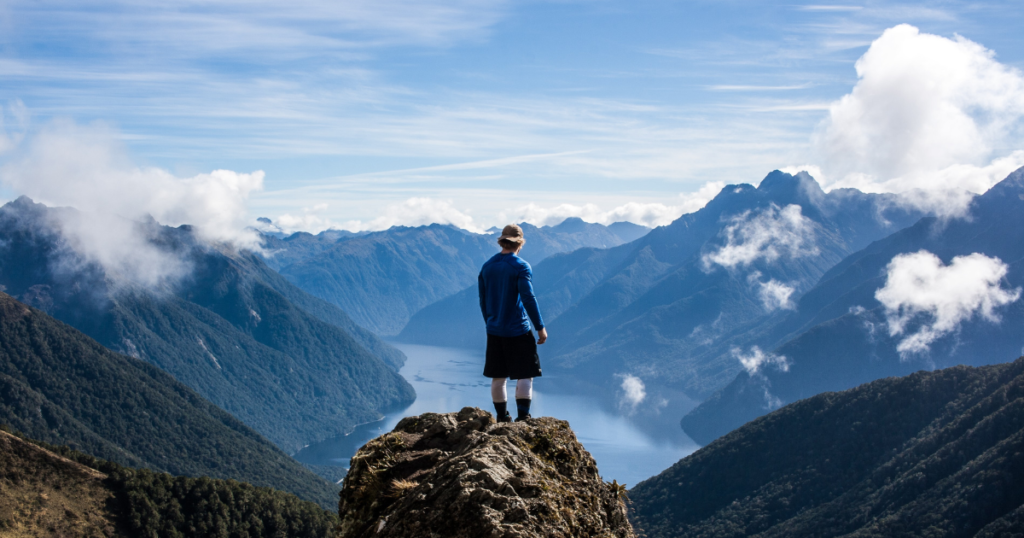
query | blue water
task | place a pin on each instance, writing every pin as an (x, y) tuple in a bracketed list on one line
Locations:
[(627, 447)]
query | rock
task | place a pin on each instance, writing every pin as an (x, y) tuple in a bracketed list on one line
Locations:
[(461, 475)]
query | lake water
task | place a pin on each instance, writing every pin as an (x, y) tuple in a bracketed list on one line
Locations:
[(627, 447)]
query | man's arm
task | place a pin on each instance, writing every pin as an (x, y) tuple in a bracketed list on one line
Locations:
[(482, 290), (529, 299)]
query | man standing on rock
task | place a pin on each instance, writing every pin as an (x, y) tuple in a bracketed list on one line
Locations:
[(509, 305)]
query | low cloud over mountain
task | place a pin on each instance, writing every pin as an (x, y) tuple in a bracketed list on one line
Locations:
[(87, 167), (920, 285)]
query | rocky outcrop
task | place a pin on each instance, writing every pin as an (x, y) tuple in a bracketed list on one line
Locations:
[(461, 475)]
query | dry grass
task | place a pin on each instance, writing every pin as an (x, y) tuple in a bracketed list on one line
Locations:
[(400, 486), (42, 494)]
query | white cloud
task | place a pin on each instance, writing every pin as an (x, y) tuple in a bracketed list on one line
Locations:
[(85, 167), (766, 234), (646, 214), (928, 114), (775, 295), (419, 211), (633, 391), (10, 138), (416, 212), (919, 286), (753, 362), (294, 30), (756, 359), (311, 220)]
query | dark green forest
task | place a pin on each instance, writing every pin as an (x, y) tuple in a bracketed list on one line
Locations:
[(59, 386), (937, 454), (152, 504)]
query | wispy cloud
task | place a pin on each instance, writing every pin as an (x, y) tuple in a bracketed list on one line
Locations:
[(829, 8), (463, 100)]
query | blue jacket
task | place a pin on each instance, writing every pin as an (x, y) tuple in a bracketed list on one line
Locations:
[(507, 300)]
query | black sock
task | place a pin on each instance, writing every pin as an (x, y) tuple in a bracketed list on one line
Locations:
[(501, 408), (523, 406)]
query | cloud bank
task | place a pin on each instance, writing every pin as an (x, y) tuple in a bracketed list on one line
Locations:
[(419, 211), (646, 214), (766, 234), (919, 286), (930, 117), (86, 167), (416, 212)]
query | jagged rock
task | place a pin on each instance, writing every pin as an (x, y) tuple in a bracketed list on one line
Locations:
[(461, 475)]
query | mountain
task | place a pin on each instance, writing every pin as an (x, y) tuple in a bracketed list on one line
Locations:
[(463, 475), (383, 278), (54, 491), (841, 335), (670, 307), (931, 454), (293, 367), (59, 386)]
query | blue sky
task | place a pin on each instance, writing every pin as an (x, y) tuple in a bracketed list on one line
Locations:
[(367, 113)]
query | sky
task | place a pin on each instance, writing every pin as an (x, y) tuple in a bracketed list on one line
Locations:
[(363, 114)]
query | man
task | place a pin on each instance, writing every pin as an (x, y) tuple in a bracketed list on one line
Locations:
[(509, 305)]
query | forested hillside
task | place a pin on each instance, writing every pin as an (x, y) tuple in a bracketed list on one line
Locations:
[(54, 491), (291, 366), (961, 305), (932, 454), (59, 386)]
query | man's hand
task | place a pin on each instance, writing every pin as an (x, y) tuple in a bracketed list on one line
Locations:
[(542, 336)]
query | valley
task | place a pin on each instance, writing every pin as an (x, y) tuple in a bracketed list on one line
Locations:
[(627, 447)]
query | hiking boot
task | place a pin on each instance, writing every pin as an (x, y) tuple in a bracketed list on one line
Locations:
[(506, 418), (527, 417)]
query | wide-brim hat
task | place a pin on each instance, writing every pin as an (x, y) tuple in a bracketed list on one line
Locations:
[(513, 234)]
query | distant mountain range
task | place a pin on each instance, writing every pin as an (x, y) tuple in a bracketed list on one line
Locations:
[(59, 386), (292, 366), (383, 278), (840, 334), (671, 307), (931, 454)]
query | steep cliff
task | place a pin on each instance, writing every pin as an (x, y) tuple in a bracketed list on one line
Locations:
[(462, 475)]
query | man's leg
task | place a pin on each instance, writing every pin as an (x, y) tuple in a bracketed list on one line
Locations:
[(524, 396), (499, 396)]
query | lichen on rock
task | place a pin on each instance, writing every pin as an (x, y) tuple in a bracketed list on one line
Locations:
[(461, 475)]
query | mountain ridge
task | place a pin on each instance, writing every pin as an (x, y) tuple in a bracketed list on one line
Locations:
[(64, 388), (223, 328), (384, 278), (929, 454), (843, 308), (670, 307)]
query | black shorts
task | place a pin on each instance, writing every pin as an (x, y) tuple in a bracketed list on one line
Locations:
[(513, 357)]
